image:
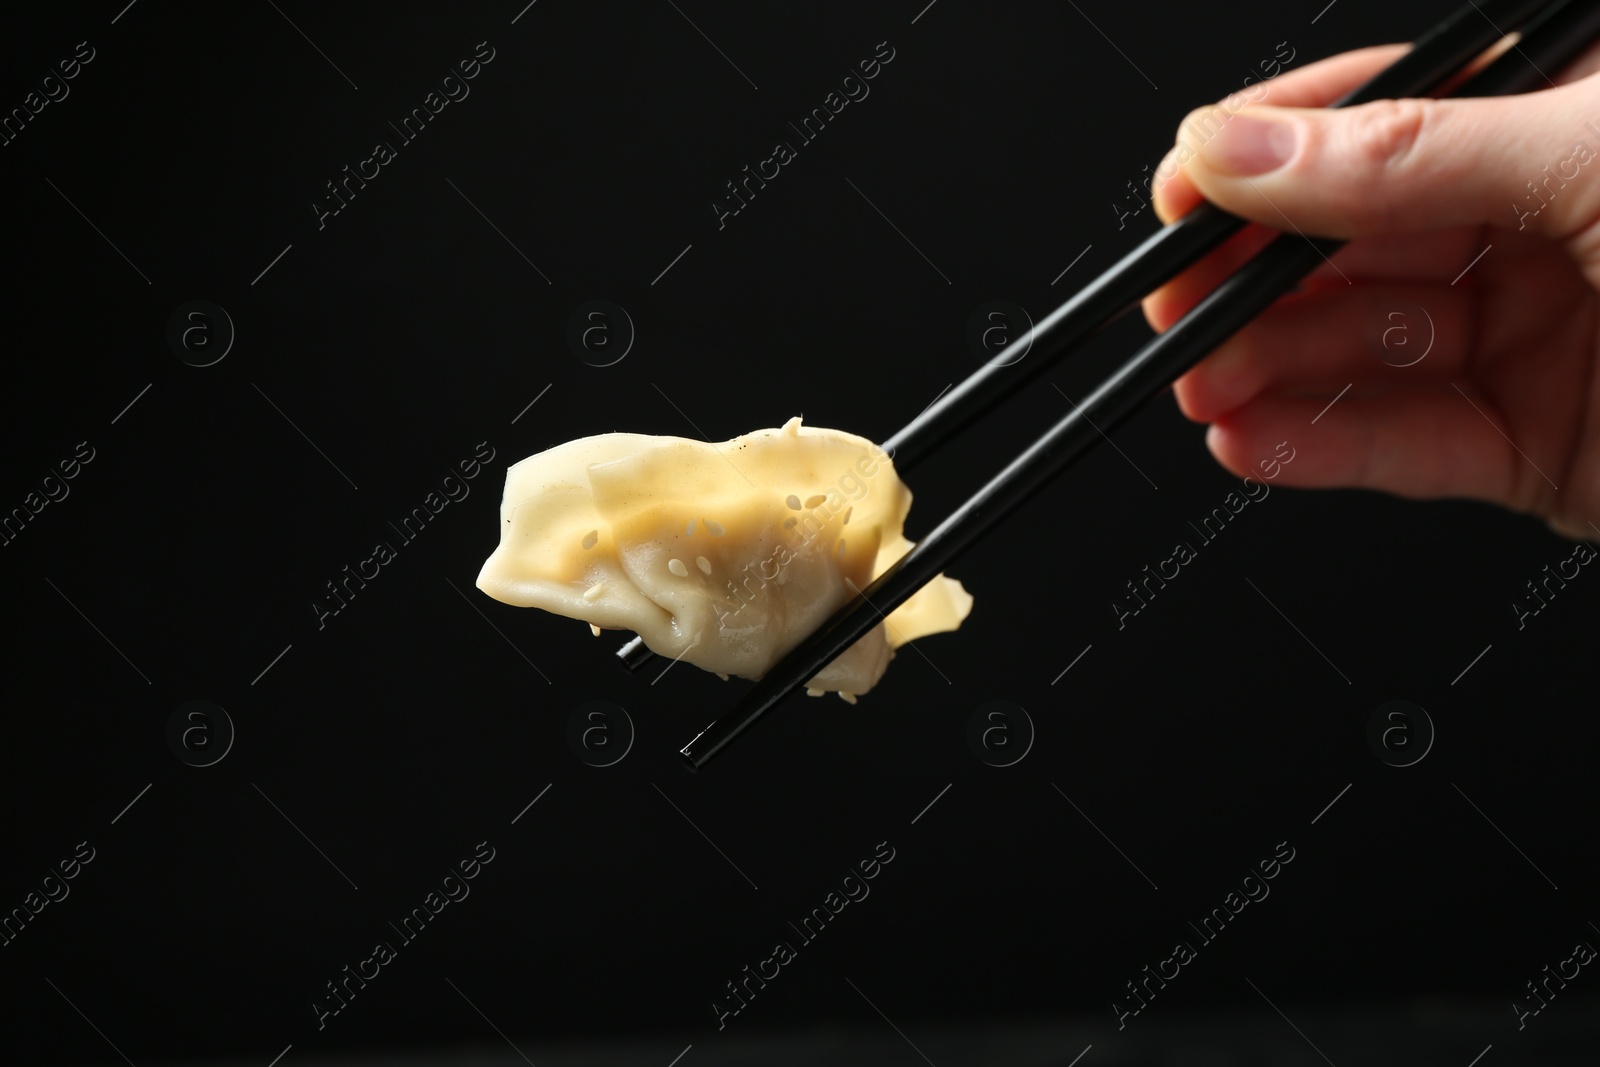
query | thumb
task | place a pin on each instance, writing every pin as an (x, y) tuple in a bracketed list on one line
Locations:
[(1524, 162)]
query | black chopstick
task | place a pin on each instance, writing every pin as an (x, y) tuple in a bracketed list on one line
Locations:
[(1433, 60), (1556, 38), (1436, 56), (1549, 41)]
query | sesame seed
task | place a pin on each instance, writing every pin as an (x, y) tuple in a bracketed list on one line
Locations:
[(594, 629), (848, 698), (793, 502), (815, 501), (676, 567), (716, 528), (688, 531), (594, 591), (814, 692), (703, 563), (846, 521), (724, 677), (590, 539)]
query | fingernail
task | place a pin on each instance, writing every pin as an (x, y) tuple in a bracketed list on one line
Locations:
[(1247, 146)]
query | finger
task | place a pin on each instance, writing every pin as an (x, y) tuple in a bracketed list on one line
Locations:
[(1438, 256), (1173, 300), (1315, 85), (1174, 195), (1401, 166), (1435, 256), (1414, 444), (1389, 336)]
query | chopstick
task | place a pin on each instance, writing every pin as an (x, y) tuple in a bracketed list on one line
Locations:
[(1433, 60), (1549, 41), (1436, 56), (1562, 31)]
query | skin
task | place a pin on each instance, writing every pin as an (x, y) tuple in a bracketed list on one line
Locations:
[(1420, 187)]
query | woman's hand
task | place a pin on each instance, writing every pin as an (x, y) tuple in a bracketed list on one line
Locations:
[(1505, 406)]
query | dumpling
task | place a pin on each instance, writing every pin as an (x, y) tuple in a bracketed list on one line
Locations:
[(722, 555)]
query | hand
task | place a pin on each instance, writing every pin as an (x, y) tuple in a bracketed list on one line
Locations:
[(1505, 407)]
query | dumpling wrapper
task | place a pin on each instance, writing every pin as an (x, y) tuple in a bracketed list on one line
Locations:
[(723, 555)]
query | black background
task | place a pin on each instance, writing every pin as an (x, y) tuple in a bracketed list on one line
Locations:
[(407, 729)]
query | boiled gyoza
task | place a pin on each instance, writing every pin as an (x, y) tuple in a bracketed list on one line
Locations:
[(722, 554)]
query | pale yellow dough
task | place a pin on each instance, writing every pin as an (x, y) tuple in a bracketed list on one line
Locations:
[(725, 555)]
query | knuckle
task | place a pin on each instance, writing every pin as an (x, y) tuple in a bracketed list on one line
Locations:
[(1382, 144), (1390, 131)]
